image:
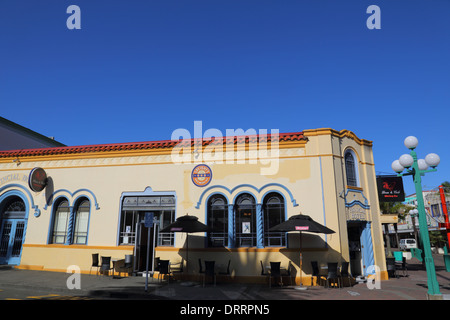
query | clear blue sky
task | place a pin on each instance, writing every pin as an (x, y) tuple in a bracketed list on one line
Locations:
[(137, 70)]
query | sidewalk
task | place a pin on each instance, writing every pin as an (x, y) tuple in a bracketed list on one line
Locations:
[(412, 287)]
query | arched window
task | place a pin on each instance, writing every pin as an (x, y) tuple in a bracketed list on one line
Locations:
[(351, 170), (218, 221), (81, 222), (60, 221), (245, 220), (273, 211), (14, 208)]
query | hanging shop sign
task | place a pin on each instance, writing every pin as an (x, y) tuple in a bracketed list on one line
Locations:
[(201, 175), (390, 189), (37, 179)]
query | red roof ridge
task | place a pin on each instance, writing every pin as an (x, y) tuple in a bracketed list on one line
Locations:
[(142, 145)]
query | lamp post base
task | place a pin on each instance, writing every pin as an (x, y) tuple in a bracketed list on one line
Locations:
[(435, 296)]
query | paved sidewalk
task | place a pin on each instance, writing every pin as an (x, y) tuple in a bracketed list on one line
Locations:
[(412, 287)]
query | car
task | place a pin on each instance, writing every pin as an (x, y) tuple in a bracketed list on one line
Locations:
[(407, 244)]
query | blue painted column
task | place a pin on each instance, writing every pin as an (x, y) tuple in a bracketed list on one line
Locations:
[(231, 233), (69, 235), (259, 227)]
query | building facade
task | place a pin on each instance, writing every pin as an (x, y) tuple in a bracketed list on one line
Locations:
[(96, 199)]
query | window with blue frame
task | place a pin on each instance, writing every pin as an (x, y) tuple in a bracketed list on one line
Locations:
[(350, 169), (81, 222), (245, 220), (274, 214), (217, 219), (63, 216), (60, 221)]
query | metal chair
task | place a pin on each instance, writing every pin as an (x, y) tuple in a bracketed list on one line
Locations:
[(226, 273), (315, 272), (200, 269), (289, 272), (209, 271), (128, 263), (263, 272), (94, 262), (345, 273), (164, 270), (333, 274), (275, 272), (402, 267), (106, 264), (391, 269)]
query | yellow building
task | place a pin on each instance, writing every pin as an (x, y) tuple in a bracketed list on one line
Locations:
[(96, 197)]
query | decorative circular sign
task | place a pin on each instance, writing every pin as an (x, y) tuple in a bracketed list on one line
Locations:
[(201, 175), (37, 179)]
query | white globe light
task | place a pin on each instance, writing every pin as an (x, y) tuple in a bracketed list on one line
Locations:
[(411, 142), (406, 160), (397, 167), (415, 211), (432, 159), (422, 164)]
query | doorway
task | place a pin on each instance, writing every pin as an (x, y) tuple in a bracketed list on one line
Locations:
[(360, 247), (145, 239), (12, 230), (354, 246)]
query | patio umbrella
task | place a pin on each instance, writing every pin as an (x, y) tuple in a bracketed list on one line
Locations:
[(301, 223), (187, 224)]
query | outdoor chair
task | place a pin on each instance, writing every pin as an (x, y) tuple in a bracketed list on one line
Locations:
[(333, 274), (398, 255), (263, 272), (106, 264), (177, 267), (345, 273), (226, 273), (275, 272), (128, 264), (289, 272), (157, 264), (209, 271), (94, 262), (164, 270), (315, 272), (402, 267), (390, 265)]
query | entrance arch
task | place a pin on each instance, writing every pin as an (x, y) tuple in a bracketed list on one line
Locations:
[(13, 223)]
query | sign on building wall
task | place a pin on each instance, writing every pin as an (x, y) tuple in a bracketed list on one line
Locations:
[(201, 175), (390, 189), (37, 179)]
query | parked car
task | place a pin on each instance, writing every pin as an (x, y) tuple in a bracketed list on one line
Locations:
[(407, 244)]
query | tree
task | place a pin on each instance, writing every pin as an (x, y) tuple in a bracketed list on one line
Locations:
[(394, 208)]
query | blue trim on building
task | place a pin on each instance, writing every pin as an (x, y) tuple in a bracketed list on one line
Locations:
[(93, 200), (37, 212), (258, 190), (258, 206)]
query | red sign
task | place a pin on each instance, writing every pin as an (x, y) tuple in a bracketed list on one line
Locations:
[(37, 180), (300, 228)]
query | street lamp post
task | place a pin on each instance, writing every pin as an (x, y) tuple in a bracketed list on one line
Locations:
[(417, 168), (413, 214)]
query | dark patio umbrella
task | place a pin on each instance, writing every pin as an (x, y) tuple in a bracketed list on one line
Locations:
[(301, 223), (187, 224)]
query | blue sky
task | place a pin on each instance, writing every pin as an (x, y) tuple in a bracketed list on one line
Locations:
[(137, 70)]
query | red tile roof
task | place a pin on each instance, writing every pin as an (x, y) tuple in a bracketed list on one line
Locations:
[(163, 144)]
